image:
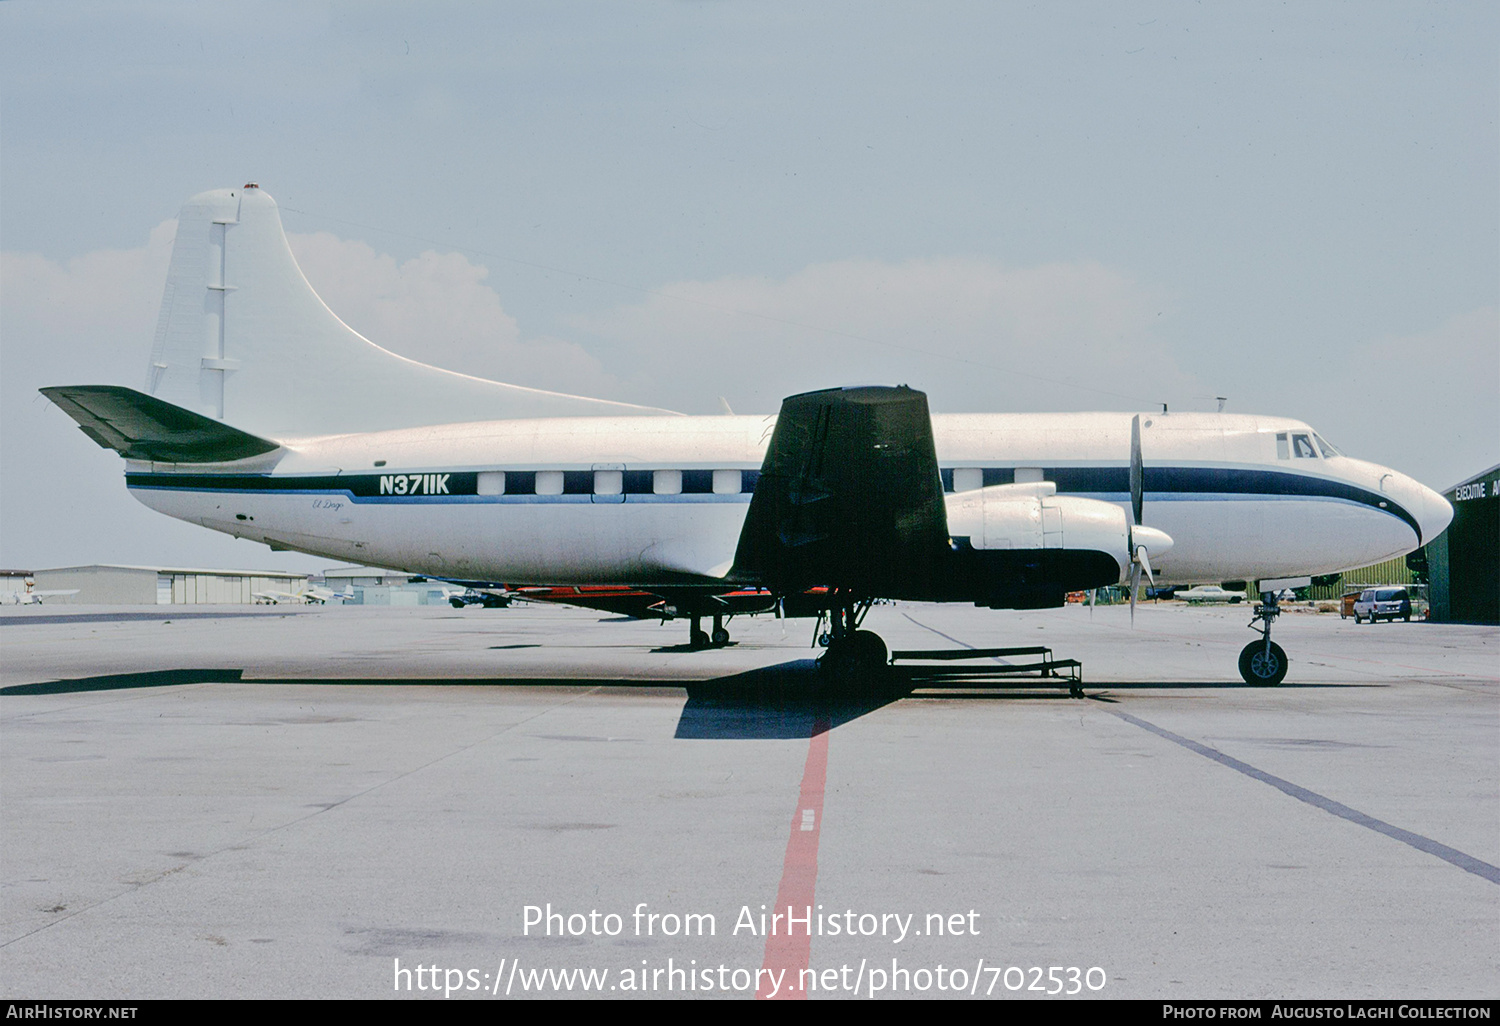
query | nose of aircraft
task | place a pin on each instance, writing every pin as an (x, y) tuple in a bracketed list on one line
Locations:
[(1436, 515), (1432, 511)]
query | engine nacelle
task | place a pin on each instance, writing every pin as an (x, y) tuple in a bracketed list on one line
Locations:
[(1025, 546)]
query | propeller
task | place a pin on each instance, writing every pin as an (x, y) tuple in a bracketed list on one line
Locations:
[(1137, 470), (1143, 540)]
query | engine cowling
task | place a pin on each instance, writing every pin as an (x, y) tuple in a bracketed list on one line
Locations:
[(1024, 546)]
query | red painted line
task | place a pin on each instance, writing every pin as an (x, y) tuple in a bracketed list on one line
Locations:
[(787, 954)]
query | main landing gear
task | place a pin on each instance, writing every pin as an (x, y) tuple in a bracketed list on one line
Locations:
[(850, 650), (1263, 662), (699, 638)]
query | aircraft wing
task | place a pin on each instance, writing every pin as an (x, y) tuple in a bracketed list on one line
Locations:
[(849, 496), (142, 427)]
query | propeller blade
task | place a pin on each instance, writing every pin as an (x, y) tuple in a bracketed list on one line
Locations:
[(1145, 563), (1137, 469), (1092, 593), (1135, 580)]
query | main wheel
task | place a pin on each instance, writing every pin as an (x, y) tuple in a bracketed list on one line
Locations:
[(1262, 667), (699, 639), (859, 657), (869, 650), (720, 637)]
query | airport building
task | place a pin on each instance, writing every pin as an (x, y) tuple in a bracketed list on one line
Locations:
[(1463, 563), (364, 577), (113, 585), (374, 586)]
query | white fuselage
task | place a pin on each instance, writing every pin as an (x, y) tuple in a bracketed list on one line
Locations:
[(637, 500)]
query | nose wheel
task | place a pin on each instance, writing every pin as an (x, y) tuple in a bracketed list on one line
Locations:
[(1263, 662)]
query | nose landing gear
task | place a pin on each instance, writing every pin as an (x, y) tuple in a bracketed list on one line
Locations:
[(1263, 662)]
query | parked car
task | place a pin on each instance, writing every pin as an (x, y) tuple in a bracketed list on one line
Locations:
[(476, 597), (1382, 604), (1209, 593)]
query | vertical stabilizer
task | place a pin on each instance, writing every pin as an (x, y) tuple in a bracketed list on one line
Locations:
[(243, 338)]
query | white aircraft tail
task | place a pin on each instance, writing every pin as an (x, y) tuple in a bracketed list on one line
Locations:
[(243, 338)]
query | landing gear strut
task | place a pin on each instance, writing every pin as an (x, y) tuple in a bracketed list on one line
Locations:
[(699, 638), (1263, 662), (851, 650)]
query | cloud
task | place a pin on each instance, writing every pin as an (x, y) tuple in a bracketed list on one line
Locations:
[(972, 332), (437, 308), (91, 315)]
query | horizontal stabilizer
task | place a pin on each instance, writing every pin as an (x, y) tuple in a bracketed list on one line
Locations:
[(140, 427)]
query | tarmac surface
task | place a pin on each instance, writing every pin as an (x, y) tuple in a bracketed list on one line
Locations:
[(308, 802)]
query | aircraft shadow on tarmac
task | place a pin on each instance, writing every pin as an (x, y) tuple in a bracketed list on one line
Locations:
[(122, 681), (787, 700), (793, 700)]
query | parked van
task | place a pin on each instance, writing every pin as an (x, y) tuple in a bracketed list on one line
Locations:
[(1382, 604)]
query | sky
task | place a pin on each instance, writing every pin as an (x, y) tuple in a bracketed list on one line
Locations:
[(1014, 207)]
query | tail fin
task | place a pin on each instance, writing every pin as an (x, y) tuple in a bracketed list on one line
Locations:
[(243, 337)]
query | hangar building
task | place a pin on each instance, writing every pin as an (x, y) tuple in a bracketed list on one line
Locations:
[(1463, 563), (113, 585)]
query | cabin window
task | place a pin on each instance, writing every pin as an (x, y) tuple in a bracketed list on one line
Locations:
[(666, 482), (968, 479), (609, 482), (490, 482), (549, 482), (727, 482), (1028, 475), (1302, 447), (1283, 452)]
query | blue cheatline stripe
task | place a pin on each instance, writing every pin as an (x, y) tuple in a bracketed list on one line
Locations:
[(1162, 484), (1453, 856)]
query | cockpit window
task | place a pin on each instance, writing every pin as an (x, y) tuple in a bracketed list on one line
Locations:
[(1302, 447), (1328, 450), (1282, 452)]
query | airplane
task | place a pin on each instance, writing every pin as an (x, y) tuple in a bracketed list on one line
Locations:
[(264, 416), (274, 597), (32, 597)]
